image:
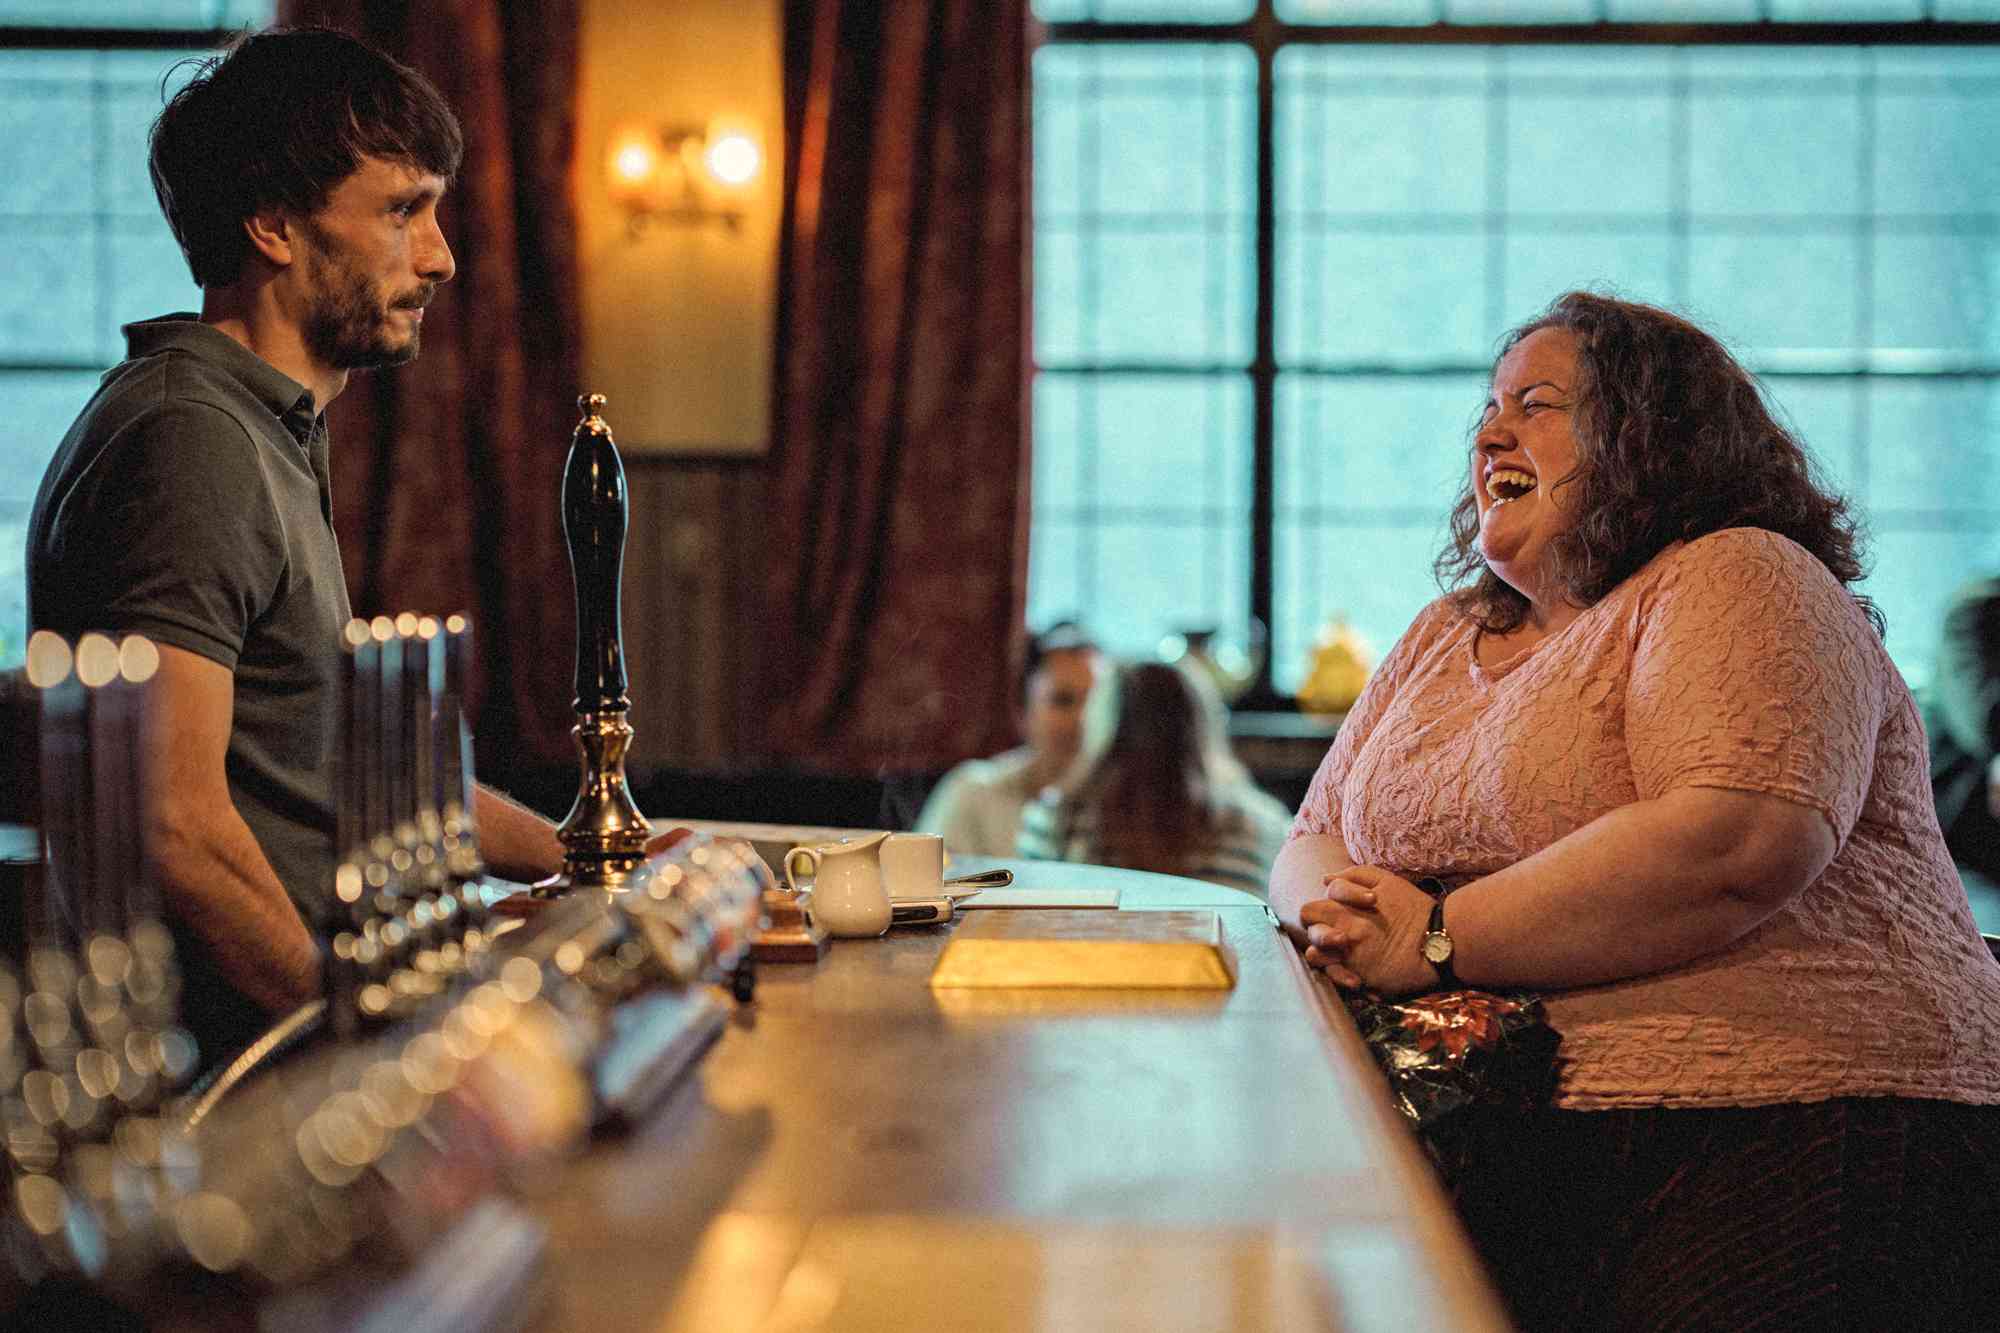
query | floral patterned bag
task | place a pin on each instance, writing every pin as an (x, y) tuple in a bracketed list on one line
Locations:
[(1453, 1052)]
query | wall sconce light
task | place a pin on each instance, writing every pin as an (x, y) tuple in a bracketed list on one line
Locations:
[(682, 174)]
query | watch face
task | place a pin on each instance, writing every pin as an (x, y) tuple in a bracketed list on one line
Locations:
[(1436, 947)]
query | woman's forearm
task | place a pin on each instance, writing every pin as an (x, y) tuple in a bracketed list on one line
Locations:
[(1298, 875), (1647, 886)]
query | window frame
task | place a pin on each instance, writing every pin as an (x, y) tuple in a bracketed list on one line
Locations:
[(176, 41), (1265, 34)]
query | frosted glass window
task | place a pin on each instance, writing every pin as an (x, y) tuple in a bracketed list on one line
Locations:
[(1144, 224), (1145, 205), (1683, 11), (1619, 151), (1358, 11), (190, 15), (1638, 261), (1521, 11), (1732, 277), (1142, 504), (1383, 231), (1143, 11), (1912, 423), (1384, 299), (1829, 211), (86, 247), (40, 406), (1367, 466), (1916, 572), (1830, 414), (1937, 143), (1939, 293), (1143, 527), (1739, 168), (1374, 575), (1845, 11), (1347, 13), (1393, 132)]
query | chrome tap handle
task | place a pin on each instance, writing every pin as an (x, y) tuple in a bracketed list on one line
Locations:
[(455, 777), (357, 680), (423, 669), (394, 763), (51, 670)]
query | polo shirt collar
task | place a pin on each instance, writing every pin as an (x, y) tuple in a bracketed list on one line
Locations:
[(290, 402)]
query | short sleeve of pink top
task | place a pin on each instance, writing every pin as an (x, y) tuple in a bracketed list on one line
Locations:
[(1733, 661)]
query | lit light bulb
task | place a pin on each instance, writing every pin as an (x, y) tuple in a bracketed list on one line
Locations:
[(635, 162), (732, 157)]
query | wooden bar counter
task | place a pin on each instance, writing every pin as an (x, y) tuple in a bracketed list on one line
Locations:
[(860, 1152)]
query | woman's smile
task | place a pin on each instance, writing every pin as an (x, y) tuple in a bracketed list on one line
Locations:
[(1526, 445)]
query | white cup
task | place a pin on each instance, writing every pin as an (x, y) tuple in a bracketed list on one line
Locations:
[(913, 865)]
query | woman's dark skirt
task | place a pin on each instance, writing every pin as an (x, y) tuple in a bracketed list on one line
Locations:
[(1855, 1213)]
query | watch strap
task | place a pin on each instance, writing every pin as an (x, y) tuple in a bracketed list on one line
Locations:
[(1447, 975)]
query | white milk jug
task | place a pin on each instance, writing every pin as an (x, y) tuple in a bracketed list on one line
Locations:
[(848, 896)]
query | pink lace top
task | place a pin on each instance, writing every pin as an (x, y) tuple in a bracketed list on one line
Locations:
[(1734, 661)]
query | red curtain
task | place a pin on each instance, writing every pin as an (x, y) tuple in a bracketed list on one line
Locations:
[(898, 518), (448, 472)]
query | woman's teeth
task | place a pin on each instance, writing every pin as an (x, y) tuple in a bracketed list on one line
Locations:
[(1508, 483)]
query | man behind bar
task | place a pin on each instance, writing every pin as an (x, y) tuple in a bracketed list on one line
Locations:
[(301, 172)]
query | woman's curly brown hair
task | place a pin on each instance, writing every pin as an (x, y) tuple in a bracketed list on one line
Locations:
[(1674, 441)]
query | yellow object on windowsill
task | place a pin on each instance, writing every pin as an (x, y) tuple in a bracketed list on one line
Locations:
[(1090, 950), (1341, 663)]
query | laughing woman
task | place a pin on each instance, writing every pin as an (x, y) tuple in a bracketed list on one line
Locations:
[(1654, 743)]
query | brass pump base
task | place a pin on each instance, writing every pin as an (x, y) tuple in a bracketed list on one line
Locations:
[(604, 836)]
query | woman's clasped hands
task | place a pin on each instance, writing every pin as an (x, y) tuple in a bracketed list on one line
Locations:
[(1366, 933)]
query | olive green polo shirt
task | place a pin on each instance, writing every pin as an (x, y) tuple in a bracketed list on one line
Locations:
[(190, 503)]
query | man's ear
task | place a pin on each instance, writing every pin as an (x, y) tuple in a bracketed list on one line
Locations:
[(273, 235)]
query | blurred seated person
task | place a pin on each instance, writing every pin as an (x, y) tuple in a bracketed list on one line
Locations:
[(977, 806), (1156, 787), (1962, 719), (1651, 748)]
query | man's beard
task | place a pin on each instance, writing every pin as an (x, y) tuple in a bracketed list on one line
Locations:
[(347, 325)]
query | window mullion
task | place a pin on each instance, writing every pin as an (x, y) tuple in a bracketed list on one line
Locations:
[(1264, 364)]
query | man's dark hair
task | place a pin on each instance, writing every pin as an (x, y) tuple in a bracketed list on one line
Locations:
[(1064, 636), (1674, 441), (278, 121)]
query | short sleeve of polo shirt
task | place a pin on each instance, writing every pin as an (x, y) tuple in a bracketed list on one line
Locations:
[(171, 532)]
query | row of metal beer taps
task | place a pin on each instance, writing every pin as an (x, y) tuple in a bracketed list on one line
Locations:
[(410, 903), (92, 1052), (453, 1044)]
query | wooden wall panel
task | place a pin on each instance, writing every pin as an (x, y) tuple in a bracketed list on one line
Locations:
[(690, 621)]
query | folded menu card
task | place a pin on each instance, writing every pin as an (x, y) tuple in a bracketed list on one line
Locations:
[(1088, 949), (1015, 896)]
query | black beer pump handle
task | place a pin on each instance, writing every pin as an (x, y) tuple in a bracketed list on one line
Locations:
[(594, 513)]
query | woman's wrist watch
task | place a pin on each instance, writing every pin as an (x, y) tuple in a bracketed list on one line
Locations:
[(1436, 946)]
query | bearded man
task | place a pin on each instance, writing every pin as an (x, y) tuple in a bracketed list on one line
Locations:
[(301, 172)]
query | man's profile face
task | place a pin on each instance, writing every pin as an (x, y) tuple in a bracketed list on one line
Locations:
[(1056, 695), (371, 260)]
